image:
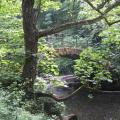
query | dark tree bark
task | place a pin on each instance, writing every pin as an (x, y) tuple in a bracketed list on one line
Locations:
[(30, 41)]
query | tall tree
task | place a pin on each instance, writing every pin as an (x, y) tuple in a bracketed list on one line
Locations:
[(32, 34)]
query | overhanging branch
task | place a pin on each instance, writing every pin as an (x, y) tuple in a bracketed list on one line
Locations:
[(97, 10), (68, 25), (114, 22), (101, 5)]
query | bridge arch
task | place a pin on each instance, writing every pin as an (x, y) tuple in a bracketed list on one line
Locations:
[(72, 53)]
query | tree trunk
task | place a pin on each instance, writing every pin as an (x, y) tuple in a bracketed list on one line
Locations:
[(31, 42)]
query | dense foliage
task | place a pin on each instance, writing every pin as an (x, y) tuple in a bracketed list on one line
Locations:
[(11, 46), (11, 63), (99, 61), (46, 62), (10, 110), (11, 41), (92, 67)]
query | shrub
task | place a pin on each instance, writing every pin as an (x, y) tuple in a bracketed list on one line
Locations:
[(111, 48), (92, 67), (13, 108), (46, 63)]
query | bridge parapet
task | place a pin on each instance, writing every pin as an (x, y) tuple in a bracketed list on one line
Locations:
[(69, 52)]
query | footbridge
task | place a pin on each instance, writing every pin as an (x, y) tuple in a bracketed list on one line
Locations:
[(72, 53)]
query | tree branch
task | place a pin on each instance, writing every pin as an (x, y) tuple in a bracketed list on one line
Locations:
[(98, 10), (54, 97), (114, 22), (100, 6), (68, 25)]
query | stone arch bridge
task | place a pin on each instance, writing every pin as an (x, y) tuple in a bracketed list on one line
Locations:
[(72, 53)]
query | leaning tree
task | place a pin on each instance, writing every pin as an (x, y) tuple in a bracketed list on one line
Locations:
[(32, 34)]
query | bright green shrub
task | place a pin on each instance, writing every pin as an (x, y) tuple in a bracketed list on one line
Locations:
[(11, 41), (111, 49), (46, 62), (92, 67), (101, 62)]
